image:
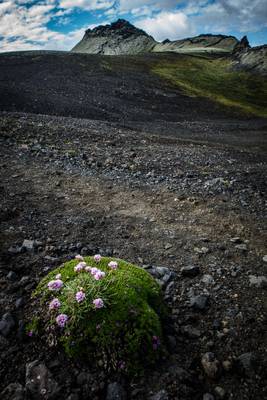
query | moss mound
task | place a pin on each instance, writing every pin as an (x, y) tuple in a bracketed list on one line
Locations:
[(106, 310)]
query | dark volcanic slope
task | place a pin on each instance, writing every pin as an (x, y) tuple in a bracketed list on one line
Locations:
[(87, 86), (119, 89)]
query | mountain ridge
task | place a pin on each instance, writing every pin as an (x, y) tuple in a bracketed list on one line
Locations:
[(121, 37)]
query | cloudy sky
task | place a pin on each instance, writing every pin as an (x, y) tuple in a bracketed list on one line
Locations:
[(60, 24)]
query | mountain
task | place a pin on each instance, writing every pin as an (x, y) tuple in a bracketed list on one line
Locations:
[(202, 43), (121, 37), (250, 59)]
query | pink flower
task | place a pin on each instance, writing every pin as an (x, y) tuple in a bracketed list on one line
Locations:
[(30, 333), (61, 320), (58, 276), (55, 303), (99, 275), (80, 296), (79, 257), (113, 265), (88, 269), (79, 267), (94, 270), (98, 303), (55, 285), (97, 257)]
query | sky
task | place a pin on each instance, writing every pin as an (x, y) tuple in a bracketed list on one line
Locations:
[(60, 24)]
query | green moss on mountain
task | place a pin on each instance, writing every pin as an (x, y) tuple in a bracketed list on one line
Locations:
[(214, 78)]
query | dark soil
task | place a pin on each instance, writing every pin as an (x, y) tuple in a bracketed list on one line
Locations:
[(169, 190)]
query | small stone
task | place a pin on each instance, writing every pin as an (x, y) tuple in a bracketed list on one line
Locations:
[(168, 246), (242, 247), (236, 240), (161, 395), (14, 391), (199, 302), (7, 323), (171, 342), (210, 365), (191, 332), (264, 258), (3, 343), (207, 280), (246, 363), (208, 396), (83, 377), (202, 250), (12, 276), (20, 302), (190, 271), (115, 392), (258, 281), (227, 365), (39, 381), (15, 250), (220, 392), (29, 245)]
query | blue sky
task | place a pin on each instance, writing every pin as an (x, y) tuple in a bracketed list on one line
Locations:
[(60, 24)]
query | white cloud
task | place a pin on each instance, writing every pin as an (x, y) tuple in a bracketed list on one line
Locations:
[(86, 4), (171, 25)]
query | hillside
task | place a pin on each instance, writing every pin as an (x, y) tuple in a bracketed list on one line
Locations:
[(158, 159)]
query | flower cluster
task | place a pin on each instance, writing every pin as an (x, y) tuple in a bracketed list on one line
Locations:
[(62, 320), (55, 303), (98, 303), (79, 267), (80, 296), (113, 265), (57, 284)]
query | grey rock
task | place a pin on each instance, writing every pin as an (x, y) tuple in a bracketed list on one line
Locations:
[(220, 392), (161, 395), (208, 396), (207, 279), (20, 302), (199, 302), (7, 324), (15, 250), (258, 281), (236, 240), (264, 258), (83, 377), (115, 392), (246, 363), (191, 332), (210, 365), (14, 391), (29, 245), (12, 276), (243, 247), (39, 381), (190, 271), (3, 343)]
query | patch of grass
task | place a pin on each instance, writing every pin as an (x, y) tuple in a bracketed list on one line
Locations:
[(122, 333), (216, 80)]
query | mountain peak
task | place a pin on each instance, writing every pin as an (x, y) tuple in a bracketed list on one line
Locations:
[(121, 27)]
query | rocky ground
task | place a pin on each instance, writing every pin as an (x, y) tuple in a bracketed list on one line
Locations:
[(197, 208)]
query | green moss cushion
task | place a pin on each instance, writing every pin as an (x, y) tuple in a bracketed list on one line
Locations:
[(104, 309)]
